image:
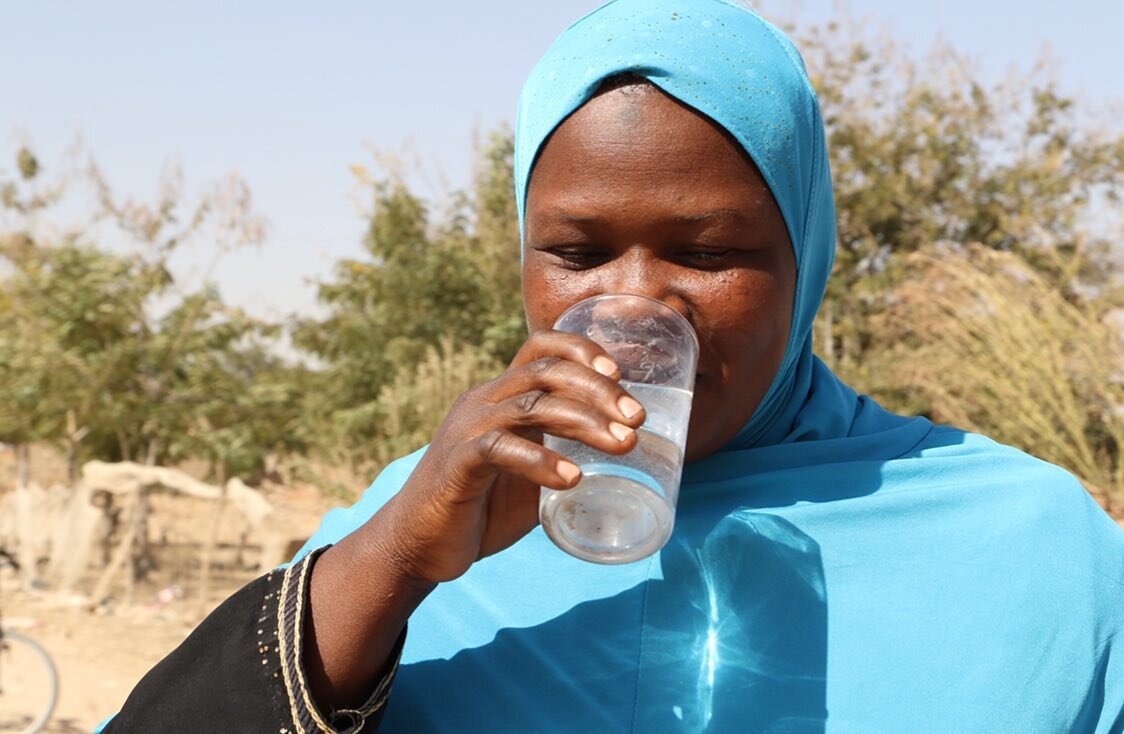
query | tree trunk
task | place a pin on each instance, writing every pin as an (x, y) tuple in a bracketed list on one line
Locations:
[(74, 436), (121, 555), (212, 541), (827, 338), (123, 446), (142, 561), (153, 452), (23, 464)]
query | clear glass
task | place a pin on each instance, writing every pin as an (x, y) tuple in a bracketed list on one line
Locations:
[(623, 509)]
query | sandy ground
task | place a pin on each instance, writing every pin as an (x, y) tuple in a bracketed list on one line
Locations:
[(101, 654)]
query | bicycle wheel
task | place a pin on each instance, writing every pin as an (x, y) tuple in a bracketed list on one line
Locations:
[(29, 684)]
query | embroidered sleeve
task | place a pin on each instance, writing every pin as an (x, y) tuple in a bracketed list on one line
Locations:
[(240, 670), (292, 604)]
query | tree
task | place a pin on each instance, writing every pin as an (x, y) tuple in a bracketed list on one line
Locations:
[(495, 237), (74, 314), (923, 152), (30, 381), (426, 281), (109, 349)]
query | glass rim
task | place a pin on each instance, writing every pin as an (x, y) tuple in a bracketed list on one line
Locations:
[(690, 330)]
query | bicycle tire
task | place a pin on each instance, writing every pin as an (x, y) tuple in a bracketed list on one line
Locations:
[(11, 637)]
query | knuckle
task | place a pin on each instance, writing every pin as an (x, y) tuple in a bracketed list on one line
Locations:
[(537, 343), (538, 338), (492, 444), (478, 397), (463, 400), (474, 395), (529, 401), (544, 365)]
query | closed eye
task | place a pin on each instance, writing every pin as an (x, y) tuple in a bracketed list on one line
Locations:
[(707, 258), (578, 257)]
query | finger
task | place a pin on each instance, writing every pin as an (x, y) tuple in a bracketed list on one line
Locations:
[(576, 420), (567, 379), (500, 450), (571, 347)]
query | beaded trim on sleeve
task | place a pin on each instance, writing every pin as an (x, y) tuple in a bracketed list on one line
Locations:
[(308, 719)]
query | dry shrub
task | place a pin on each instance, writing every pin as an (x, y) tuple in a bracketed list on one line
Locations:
[(416, 402), (986, 343)]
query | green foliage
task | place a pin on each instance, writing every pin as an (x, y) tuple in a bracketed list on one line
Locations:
[(496, 244), (923, 152), (72, 310), (27, 164), (415, 403), (427, 281), (102, 352), (241, 404)]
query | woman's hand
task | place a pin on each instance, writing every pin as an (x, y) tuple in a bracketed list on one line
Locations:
[(476, 490)]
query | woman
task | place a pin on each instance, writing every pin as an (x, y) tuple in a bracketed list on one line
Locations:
[(833, 566)]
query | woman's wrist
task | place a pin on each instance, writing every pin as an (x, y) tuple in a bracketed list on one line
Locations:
[(361, 597), (388, 545)]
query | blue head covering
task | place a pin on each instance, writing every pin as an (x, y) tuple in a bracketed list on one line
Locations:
[(836, 567), (731, 65)]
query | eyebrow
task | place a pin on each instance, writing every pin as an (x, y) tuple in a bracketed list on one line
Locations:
[(710, 216)]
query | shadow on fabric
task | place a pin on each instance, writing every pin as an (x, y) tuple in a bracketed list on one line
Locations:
[(733, 638)]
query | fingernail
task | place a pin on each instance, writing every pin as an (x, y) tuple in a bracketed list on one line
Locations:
[(568, 471), (629, 407), (620, 431), (604, 365)]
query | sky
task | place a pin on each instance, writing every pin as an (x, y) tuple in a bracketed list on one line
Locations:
[(291, 97)]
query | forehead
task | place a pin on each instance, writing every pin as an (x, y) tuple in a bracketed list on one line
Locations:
[(637, 144)]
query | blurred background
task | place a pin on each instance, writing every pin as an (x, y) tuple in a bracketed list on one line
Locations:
[(249, 254)]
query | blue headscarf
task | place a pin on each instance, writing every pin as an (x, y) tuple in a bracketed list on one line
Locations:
[(835, 567), (731, 65)]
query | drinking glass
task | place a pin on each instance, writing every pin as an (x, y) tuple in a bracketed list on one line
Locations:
[(623, 509)]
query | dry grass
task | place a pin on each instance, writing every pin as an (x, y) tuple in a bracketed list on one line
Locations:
[(416, 403), (989, 345)]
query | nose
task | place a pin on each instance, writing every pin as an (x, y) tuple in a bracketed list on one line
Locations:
[(639, 273)]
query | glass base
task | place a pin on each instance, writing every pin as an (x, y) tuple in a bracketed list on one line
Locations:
[(607, 519)]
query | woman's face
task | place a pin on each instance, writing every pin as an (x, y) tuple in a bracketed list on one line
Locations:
[(636, 193)]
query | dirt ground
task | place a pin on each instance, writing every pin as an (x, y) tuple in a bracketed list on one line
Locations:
[(101, 653), (100, 656)]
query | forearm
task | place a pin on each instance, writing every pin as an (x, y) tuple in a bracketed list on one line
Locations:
[(360, 601)]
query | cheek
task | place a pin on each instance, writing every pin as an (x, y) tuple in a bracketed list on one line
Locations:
[(743, 331), (548, 292), (538, 303), (747, 324)]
